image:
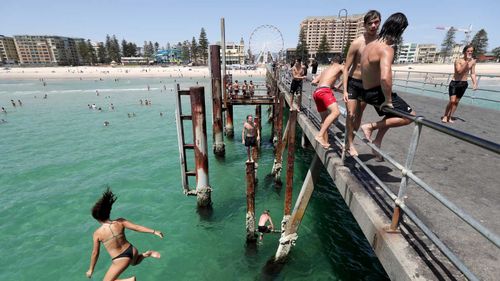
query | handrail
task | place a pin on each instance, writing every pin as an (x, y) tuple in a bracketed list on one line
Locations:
[(407, 173)]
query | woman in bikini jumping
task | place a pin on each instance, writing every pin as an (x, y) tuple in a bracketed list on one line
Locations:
[(111, 234)]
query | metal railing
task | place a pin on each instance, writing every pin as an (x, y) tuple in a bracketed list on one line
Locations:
[(407, 173), (438, 82)]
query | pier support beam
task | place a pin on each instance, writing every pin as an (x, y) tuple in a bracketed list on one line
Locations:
[(292, 123), (280, 137), (215, 73), (203, 189), (289, 236), (250, 217)]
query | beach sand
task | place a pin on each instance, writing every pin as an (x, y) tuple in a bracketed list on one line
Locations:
[(108, 72)]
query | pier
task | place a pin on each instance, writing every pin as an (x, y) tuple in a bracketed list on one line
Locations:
[(428, 210)]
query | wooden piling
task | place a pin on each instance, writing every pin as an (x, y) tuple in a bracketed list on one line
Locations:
[(250, 217), (290, 162), (215, 73), (289, 236), (258, 117), (278, 160), (229, 108), (203, 190)]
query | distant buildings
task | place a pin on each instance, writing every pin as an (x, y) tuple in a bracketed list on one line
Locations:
[(235, 53), (51, 50), (8, 52), (417, 53), (338, 32)]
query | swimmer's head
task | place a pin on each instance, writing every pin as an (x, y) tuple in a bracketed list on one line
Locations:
[(267, 212), (393, 28), (249, 117), (102, 208)]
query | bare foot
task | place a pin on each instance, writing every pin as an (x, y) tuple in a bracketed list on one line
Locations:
[(152, 254), (444, 119), (352, 151), (451, 120), (367, 131), (321, 141)]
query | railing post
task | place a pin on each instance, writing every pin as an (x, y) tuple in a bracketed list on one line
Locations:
[(404, 179), (407, 79), (203, 189), (250, 217), (215, 73)]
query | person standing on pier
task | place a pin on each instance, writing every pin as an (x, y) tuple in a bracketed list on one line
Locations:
[(111, 234), (458, 85), (325, 100), (236, 88), (297, 77), (250, 135), (352, 84), (376, 73), (251, 88)]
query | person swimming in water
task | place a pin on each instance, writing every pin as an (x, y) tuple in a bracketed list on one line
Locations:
[(111, 234)]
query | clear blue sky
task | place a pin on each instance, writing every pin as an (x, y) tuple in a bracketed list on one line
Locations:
[(173, 21)]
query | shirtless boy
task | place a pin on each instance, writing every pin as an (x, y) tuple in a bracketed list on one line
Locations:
[(263, 228), (325, 100), (458, 85), (376, 73), (353, 87), (250, 135), (297, 76)]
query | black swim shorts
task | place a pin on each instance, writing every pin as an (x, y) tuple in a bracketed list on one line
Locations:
[(375, 97), (457, 88), (294, 87), (250, 141), (355, 89), (264, 229)]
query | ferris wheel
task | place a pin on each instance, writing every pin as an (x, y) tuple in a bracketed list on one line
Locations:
[(266, 44)]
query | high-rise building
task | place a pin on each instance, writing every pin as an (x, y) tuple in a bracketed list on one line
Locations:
[(8, 52), (426, 53), (235, 53), (339, 32), (52, 50), (407, 53)]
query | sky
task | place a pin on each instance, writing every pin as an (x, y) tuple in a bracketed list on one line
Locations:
[(165, 21)]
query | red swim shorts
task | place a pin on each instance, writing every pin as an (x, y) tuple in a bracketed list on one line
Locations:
[(323, 96)]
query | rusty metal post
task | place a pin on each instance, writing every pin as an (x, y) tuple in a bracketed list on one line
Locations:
[(215, 73), (250, 217), (229, 121), (290, 162), (203, 190)]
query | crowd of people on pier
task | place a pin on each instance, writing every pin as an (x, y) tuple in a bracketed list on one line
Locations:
[(366, 78)]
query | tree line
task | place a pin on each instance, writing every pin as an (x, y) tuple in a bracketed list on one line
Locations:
[(195, 51), (479, 42)]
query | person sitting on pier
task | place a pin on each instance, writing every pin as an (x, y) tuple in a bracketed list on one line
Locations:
[(244, 89), (236, 88), (250, 135), (297, 77), (262, 227), (325, 100), (376, 73), (458, 85), (251, 88), (111, 234)]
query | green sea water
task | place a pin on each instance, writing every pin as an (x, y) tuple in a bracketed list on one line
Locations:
[(57, 157)]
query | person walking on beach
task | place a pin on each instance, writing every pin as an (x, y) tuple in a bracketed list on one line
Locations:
[(325, 100), (457, 87), (297, 77), (353, 87), (250, 135), (111, 234), (376, 73), (262, 227)]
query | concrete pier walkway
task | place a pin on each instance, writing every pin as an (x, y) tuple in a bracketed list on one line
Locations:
[(465, 174)]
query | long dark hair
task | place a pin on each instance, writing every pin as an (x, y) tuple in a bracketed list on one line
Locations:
[(102, 208), (393, 28)]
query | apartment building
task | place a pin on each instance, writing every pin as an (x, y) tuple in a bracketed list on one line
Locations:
[(338, 32), (235, 53), (426, 53), (407, 53), (47, 50), (8, 52)]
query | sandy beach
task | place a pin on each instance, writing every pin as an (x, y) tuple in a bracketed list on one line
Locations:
[(108, 72)]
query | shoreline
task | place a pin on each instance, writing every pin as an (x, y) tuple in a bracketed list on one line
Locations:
[(124, 72), (119, 72)]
